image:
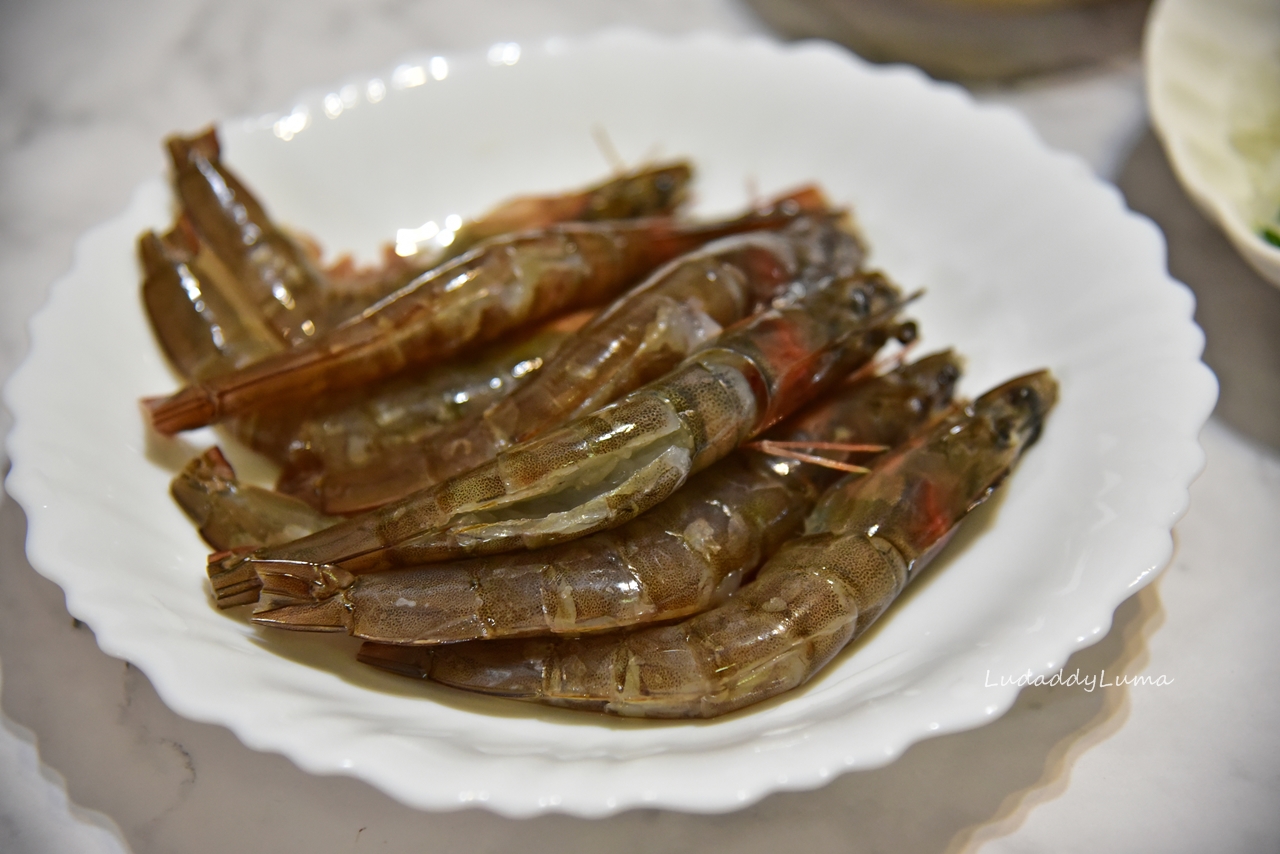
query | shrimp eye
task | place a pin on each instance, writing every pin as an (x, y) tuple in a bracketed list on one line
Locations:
[(860, 301), (1006, 430), (1033, 403)]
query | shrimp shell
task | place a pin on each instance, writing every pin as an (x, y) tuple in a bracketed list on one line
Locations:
[(271, 268), (198, 325), (499, 287), (681, 557), (347, 431), (866, 540), (604, 469)]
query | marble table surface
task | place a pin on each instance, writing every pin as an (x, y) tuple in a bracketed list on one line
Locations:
[(91, 760)]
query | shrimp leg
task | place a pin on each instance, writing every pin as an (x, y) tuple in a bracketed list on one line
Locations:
[(603, 470), (641, 336), (866, 540), (680, 558), (499, 287)]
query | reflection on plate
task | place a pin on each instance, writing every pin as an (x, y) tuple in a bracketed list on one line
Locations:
[(1028, 262), (1213, 85)]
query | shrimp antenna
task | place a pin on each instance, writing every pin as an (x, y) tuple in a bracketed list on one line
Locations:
[(607, 149), (788, 450), (848, 447), (872, 369), (890, 310), (891, 362), (654, 154), (910, 298)]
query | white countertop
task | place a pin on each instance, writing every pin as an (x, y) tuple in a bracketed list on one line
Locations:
[(86, 93)]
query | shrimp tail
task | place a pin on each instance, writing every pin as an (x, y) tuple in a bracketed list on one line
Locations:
[(233, 583), (304, 596), (192, 405)]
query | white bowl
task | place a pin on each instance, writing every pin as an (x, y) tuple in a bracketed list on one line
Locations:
[(1213, 86), (1029, 261)]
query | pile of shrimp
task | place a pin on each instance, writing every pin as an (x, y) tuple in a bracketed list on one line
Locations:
[(590, 453)]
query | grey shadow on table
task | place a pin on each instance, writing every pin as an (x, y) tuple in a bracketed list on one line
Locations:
[(176, 784), (1238, 310)]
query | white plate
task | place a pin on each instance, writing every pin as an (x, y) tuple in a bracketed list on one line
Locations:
[(1213, 86), (1028, 261)]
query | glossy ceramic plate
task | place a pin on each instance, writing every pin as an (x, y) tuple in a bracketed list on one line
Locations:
[(1213, 85), (1028, 262)]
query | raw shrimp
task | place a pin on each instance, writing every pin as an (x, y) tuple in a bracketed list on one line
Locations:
[(644, 334), (199, 327), (603, 470), (681, 557), (349, 430), (866, 540), (507, 284), (232, 515), (272, 269), (649, 191)]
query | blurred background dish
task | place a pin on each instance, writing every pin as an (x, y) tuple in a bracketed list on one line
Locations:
[(973, 40), (1213, 86)]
